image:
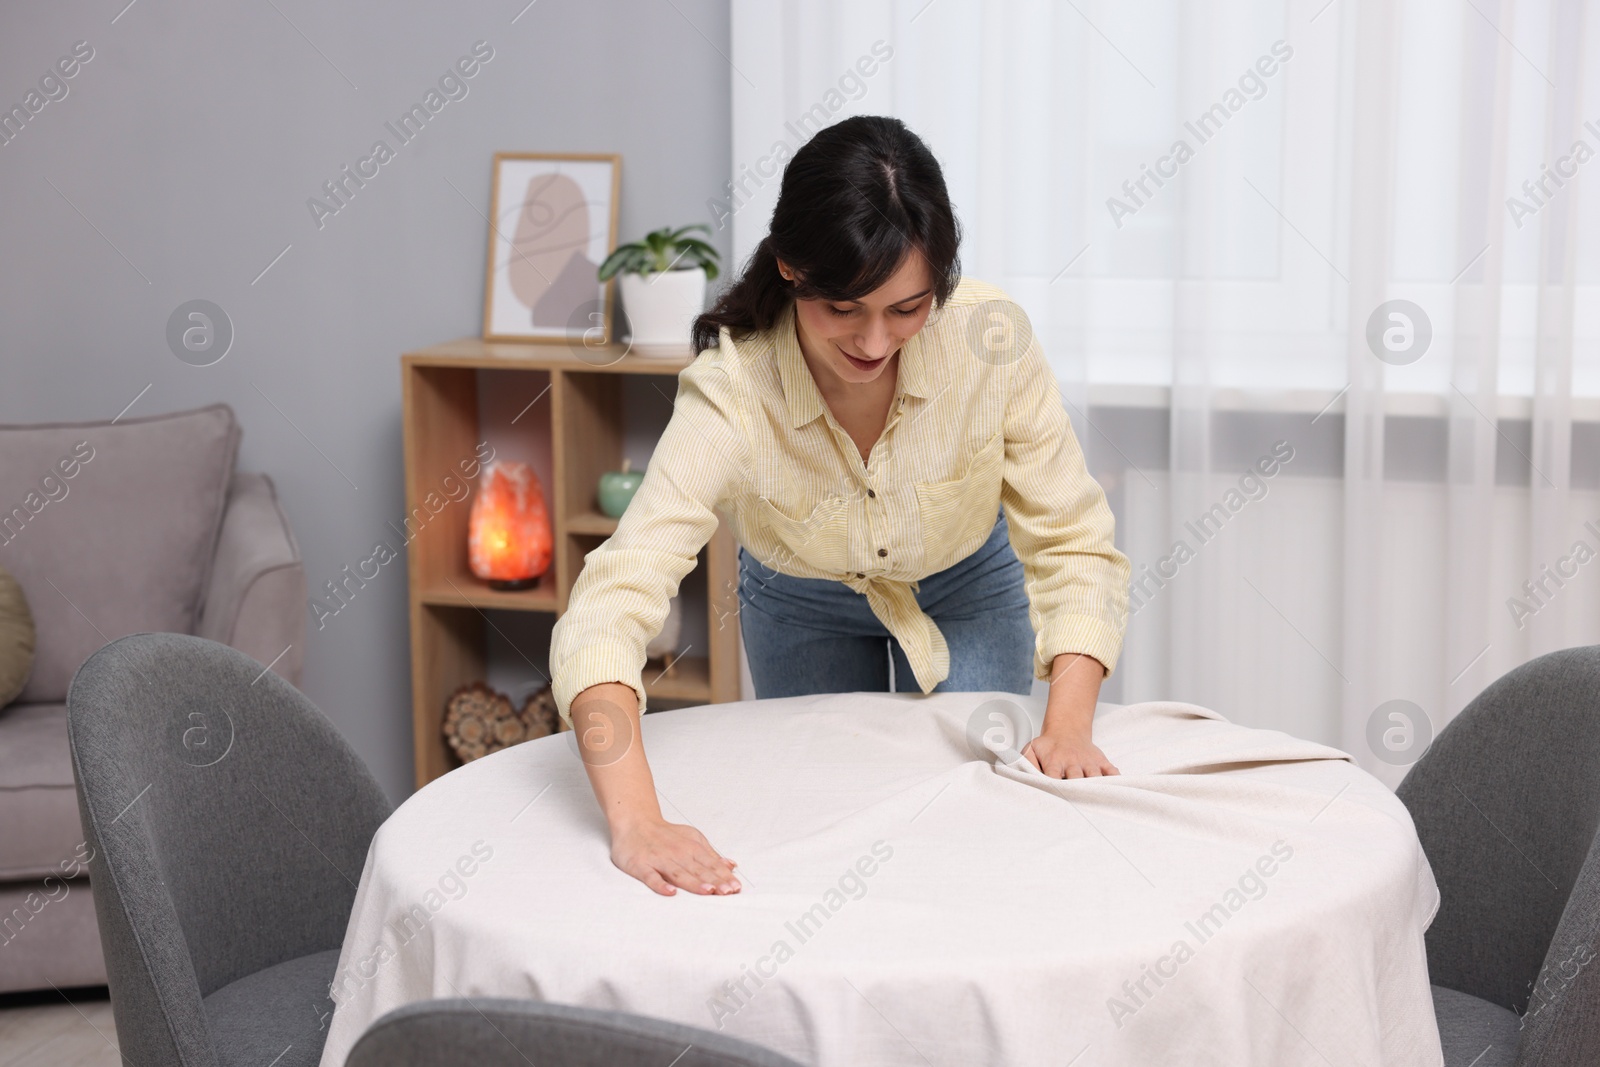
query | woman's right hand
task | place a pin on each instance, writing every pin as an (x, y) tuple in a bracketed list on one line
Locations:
[(664, 855)]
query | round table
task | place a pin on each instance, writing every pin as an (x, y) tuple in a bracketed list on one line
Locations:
[(914, 893)]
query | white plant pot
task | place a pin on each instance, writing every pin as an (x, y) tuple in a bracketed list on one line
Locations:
[(662, 307)]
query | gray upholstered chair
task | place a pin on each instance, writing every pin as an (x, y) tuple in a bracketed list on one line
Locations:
[(229, 825), (1506, 802), (113, 528), (497, 1032)]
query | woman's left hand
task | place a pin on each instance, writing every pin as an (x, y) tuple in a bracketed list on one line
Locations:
[(1068, 755), (1065, 748)]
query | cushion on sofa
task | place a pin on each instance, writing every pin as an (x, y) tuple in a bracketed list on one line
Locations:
[(110, 529), (16, 638), (39, 828)]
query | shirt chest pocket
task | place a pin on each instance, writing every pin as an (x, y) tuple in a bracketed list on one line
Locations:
[(821, 539), (958, 514)]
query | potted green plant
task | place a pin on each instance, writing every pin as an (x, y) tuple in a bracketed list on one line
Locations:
[(663, 280)]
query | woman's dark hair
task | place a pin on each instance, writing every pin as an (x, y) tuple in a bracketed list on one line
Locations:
[(856, 199)]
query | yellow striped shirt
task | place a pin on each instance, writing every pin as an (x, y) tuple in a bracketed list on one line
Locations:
[(977, 424)]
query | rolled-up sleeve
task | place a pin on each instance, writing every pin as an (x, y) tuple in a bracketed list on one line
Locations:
[(621, 595), (1061, 525)]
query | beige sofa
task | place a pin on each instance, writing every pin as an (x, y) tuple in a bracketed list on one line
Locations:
[(111, 529)]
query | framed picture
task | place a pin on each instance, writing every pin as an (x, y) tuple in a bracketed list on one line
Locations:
[(552, 222)]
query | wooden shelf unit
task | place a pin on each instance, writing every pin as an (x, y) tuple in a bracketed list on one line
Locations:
[(448, 605)]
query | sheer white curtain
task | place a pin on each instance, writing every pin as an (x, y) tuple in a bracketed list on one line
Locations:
[(1319, 282)]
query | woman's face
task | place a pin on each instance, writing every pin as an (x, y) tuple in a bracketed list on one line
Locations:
[(856, 338)]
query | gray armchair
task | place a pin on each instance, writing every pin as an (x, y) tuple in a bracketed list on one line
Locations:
[(1506, 803), (152, 529), (229, 823), (501, 1032)]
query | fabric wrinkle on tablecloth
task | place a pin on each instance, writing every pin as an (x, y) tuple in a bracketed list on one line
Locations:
[(939, 905)]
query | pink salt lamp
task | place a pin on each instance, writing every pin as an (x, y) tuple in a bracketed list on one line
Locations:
[(508, 533)]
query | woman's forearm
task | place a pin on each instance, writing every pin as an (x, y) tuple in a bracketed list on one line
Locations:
[(605, 718), (1074, 690), (1064, 747)]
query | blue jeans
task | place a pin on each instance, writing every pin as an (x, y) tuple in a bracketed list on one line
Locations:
[(816, 635)]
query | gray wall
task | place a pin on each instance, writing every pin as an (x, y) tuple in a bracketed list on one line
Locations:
[(191, 142)]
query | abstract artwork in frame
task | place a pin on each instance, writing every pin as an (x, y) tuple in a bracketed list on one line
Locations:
[(553, 221)]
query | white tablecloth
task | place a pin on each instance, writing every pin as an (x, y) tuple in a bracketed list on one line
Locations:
[(1234, 897)]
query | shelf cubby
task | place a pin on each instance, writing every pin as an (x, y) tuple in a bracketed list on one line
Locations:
[(560, 408)]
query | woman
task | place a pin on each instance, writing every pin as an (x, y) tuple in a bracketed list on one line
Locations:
[(889, 446)]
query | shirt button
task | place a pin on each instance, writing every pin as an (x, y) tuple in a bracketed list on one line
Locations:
[(871, 493), (883, 551)]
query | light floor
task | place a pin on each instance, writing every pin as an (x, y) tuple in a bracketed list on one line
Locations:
[(50, 1032)]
